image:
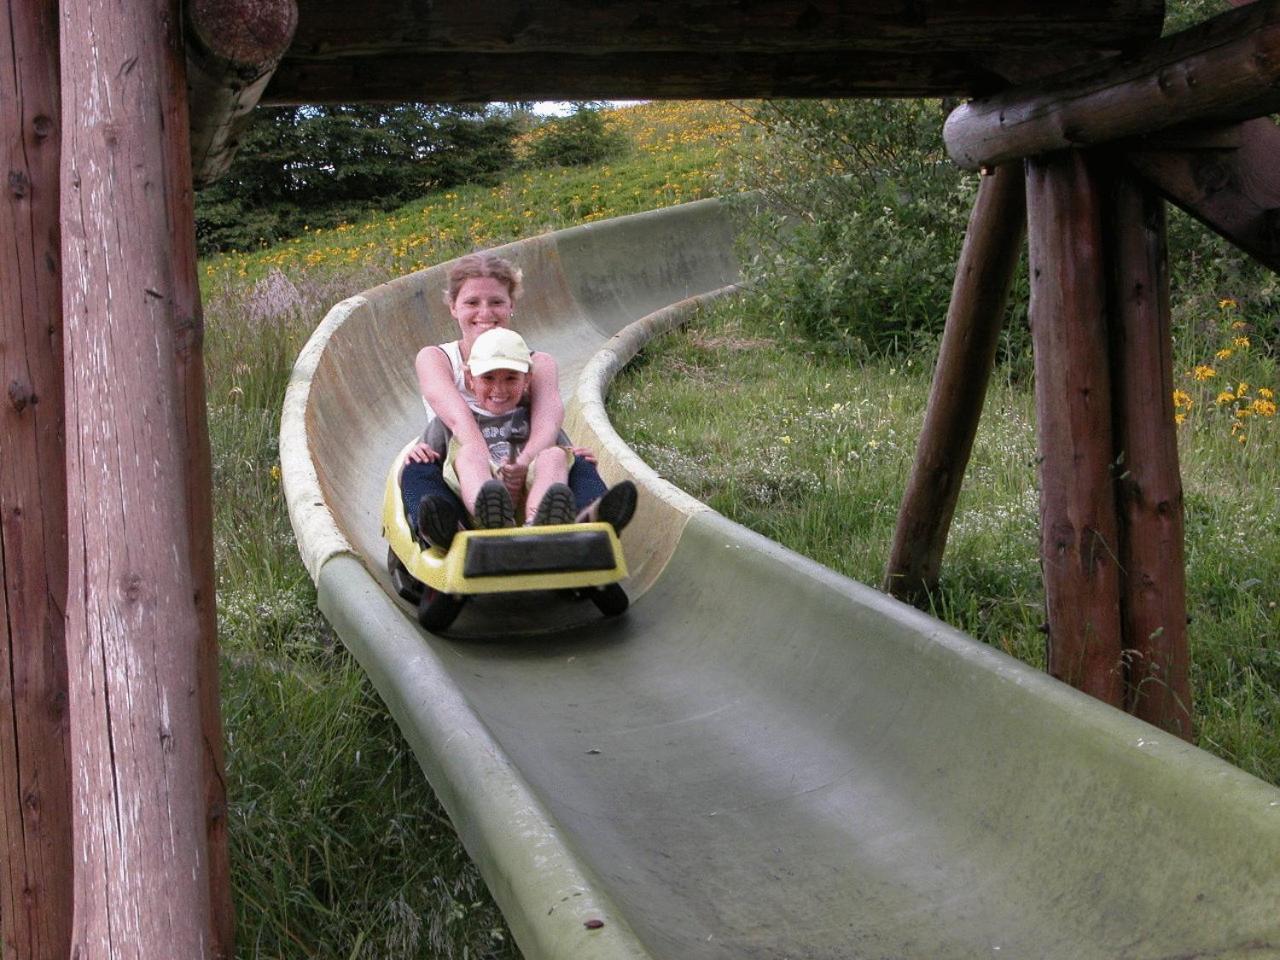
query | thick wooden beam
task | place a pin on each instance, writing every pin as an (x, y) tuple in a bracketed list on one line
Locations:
[(513, 49), (1149, 489), (35, 769), (965, 359), (451, 76), (134, 621), (1231, 184), (233, 47), (1073, 410), (1224, 68)]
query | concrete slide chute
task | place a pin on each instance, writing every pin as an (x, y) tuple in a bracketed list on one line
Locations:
[(761, 759)]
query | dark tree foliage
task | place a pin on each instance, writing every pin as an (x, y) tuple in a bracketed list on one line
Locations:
[(317, 166)]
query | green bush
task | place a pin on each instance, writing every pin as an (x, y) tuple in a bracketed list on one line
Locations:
[(575, 141), (874, 218)]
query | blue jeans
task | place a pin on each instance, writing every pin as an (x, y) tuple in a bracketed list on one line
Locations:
[(418, 480)]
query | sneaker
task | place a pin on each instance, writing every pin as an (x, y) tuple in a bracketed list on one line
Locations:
[(438, 520), (557, 506), (493, 507), (616, 507)]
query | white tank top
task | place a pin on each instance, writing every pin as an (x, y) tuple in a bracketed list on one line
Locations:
[(453, 350)]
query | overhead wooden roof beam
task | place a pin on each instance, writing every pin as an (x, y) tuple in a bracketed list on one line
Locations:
[(1227, 68), (233, 47), (584, 49)]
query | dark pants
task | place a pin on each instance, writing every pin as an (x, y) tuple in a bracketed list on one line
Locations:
[(418, 480)]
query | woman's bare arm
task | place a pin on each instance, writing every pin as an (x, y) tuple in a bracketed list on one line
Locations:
[(546, 409), (435, 380)]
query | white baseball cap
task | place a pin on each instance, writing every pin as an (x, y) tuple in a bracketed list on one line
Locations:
[(499, 349)]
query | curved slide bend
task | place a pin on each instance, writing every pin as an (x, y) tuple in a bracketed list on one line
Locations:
[(762, 759)]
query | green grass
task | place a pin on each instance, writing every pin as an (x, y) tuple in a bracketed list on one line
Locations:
[(825, 461)]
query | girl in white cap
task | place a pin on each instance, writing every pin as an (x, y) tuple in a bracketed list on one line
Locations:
[(497, 374)]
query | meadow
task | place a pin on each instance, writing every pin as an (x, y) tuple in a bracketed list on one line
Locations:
[(339, 847)]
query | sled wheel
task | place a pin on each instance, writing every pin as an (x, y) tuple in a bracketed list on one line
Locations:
[(407, 585), (437, 610), (611, 599)]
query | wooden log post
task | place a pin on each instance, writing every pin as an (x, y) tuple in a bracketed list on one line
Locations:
[(35, 771), (965, 359), (1073, 408), (233, 48), (134, 613), (1149, 488), (1224, 177), (1224, 68)]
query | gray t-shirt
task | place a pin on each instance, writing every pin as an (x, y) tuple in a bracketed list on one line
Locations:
[(505, 433)]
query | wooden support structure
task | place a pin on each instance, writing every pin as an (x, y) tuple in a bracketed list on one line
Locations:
[(1148, 488), (1079, 530), (450, 50), (136, 615), (35, 770), (1226, 68), (233, 48), (1227, 178), (965, 359)]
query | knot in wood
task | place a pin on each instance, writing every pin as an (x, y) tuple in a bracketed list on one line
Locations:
[(131, 587), (19, 184), (21, 394), (42, 125)]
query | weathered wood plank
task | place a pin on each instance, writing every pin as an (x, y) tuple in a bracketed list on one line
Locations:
[(1225, 68), (133, 619), (1073, 410), (1149, 488), (966, 356), (1234, 188), (579, 49), (35, 771), (462, 77)]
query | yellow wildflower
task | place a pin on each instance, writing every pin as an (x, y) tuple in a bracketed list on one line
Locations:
[(1225, 397), (1242, 342), (1266, 394), (1242, 389), (275, 471), (1179, 418), (1223, 354), (1203, 372), (1264, 408), (1182, 399), (1227, 303), (1239, 325)]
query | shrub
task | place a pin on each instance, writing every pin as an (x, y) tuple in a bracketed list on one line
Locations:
[(875, 214), (575, 141)]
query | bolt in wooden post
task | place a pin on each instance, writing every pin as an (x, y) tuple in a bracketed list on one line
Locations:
[(965, 359), (35, 771), (1149, 488), (1073, 409)]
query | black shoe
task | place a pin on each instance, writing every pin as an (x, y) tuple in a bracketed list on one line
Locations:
[(557, 506), (493, 508), (438, 520), (616, 507)]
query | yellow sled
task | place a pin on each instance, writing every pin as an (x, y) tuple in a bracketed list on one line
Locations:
[(584, 557)]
